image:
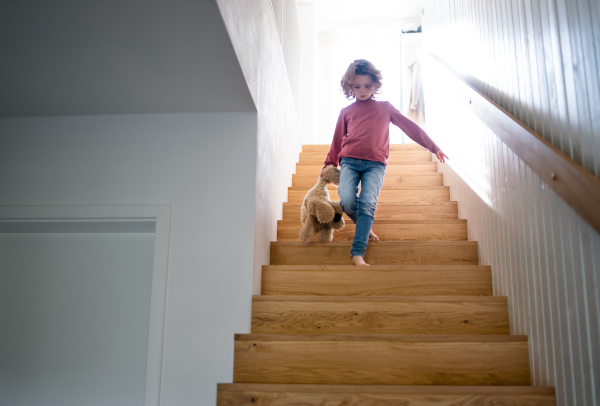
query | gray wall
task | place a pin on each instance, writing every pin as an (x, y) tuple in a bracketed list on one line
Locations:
[(117, 57), (200, 163), (527, 56), (75, 312)]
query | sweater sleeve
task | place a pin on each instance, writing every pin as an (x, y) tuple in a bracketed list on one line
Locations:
[(333, 157), (411, 129)]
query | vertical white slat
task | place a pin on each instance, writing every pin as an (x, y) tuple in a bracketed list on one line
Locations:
[(528, 116), (513, 59), (518, 241), (482, 49), (498, 57), (553, 128), (543, 109), (527, 297), (592, 271), (499, 233), (579, 307), (505, 34), (561, 120), (588, 298), (515, 45), (510, 219), (571, 303), (592, 82), (535, 120), (531, 274), (573, 148), (490, 45), (552, 315), (521, 267), (581, 87), (542, 278), (563, 365)]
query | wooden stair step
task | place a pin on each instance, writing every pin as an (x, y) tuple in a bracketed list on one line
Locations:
[(390, 180), (389, 230), (398, 194), (377, 253), (324, 148), (464, 280), (396, 157), (380, 315), (386, 359), (264, 394), (400, 169), (423, 210)]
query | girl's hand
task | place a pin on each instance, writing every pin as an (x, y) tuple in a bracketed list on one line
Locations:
[(441, 156)]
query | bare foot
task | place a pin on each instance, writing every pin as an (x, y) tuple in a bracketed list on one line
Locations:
[(373, 236), (359, 261)]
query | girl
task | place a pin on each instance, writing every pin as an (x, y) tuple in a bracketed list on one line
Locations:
[(361, 145)]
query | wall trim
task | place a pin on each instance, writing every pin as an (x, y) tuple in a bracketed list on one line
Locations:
[(111, 219)]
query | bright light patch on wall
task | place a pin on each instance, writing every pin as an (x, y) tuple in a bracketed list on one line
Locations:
[(336, 51)]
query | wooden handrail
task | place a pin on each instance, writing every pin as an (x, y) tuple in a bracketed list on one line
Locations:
[(573, 183)]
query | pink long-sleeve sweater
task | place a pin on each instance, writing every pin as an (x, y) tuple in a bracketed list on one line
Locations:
[(363, 132)]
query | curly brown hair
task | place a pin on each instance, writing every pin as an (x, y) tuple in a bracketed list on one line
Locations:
[(360, 67)]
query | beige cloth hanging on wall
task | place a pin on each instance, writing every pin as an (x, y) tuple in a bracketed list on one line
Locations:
[(416, 111)]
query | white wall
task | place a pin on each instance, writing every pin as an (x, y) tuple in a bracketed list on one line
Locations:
[(291, 45), (198, 163), (253, 31), (308, 122), (544, 257), (75, 315)]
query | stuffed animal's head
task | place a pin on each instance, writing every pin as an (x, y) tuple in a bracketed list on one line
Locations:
[(332, 174)]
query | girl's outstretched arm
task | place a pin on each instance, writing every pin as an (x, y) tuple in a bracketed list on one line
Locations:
[(410, 128)]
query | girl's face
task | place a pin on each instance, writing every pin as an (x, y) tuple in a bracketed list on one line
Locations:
[(362, 87)]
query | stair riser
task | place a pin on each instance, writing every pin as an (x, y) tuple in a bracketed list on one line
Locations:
[(308, 181), (283, 317), (376, 254), (291, 211), (398, 169), (388, 232), (254, 398), (373, 283), (395, 158), (386, 195), (381, 363)]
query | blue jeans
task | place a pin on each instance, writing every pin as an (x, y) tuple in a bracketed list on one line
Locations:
[(360, 209)]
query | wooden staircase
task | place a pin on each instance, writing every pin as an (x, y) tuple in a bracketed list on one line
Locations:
[(419, 327)]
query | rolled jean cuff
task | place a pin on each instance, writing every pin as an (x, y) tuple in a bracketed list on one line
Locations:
[(354, 253)]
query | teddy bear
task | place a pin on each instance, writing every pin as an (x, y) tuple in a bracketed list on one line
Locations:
[(319, 215)]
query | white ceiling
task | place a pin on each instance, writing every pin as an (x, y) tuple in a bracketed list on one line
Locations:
[(67, 57)]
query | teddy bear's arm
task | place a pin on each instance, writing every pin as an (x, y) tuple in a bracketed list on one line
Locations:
[(303, 213), (322, 210)]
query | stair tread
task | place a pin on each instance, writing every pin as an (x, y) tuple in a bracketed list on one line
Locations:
[(433, 338), (390, 298), (400, 389), (380, 243), (388, 188), (402, 203), (387, 268), (382, 222)]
